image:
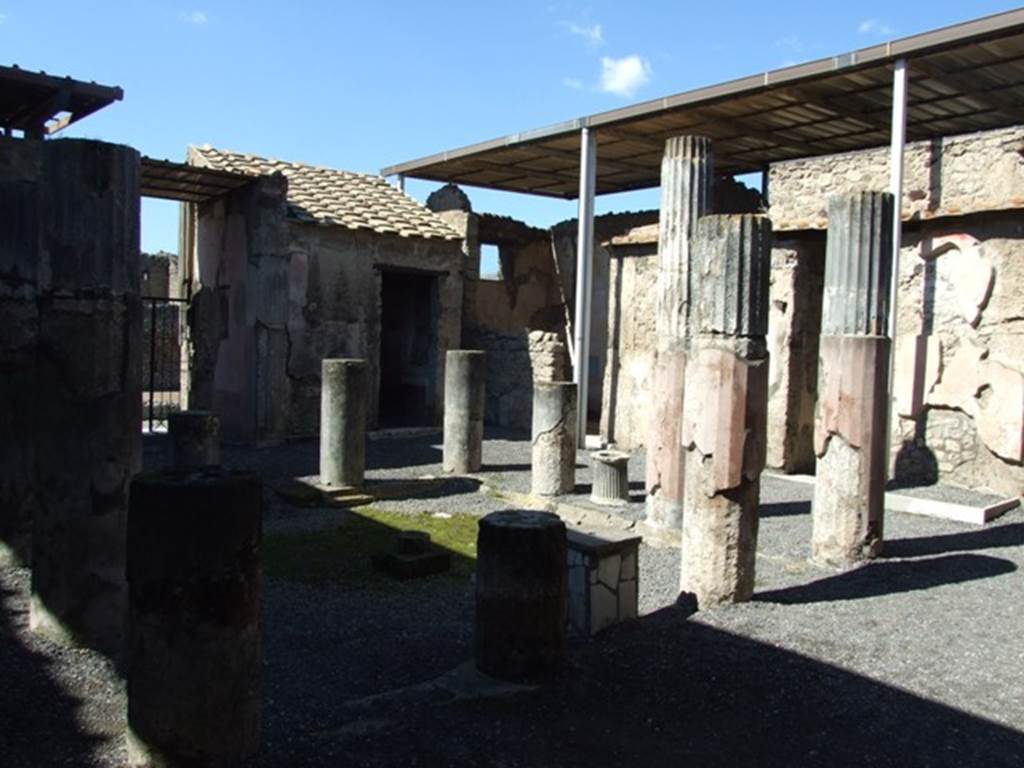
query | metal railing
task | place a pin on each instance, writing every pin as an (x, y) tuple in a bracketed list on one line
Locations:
[(162, 321)]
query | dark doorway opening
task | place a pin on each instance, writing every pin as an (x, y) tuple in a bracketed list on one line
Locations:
[(408, 350)]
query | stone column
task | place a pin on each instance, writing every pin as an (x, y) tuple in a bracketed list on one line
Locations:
[(344, 396), (195, 439), (24, 200), (521, 594), (610, 472), (194, 656), (726, 411), (686, 183), (87, 402), (850, 425), (553, 458), (464, 377)]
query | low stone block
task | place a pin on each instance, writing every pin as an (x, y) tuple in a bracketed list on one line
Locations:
[(413, 557), (602, 581)]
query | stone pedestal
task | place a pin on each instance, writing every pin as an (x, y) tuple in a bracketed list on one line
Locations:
[(852, 416), (195, 439), (687, 173), (194, 666), (603, 581), (464, 377), (725, 417), (79, 269), (610, 472), (553, 457), (343, 401), (521, 612)]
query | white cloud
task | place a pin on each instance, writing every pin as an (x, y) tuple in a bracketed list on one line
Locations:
[(572, 82), (624, 76), (875, 27), (592, 33), (194, 17)]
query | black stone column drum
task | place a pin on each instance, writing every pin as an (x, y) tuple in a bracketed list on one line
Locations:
[(521, 583), (194, 652)]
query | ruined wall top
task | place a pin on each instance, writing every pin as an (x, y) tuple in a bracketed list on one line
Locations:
[(449, 198), (953, 176)]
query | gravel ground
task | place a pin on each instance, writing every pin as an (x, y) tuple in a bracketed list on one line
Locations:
[(914, 659)]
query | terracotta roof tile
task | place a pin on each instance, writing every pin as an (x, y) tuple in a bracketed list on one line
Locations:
[(353, 200)]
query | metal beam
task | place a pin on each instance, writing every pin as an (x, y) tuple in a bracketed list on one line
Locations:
[(896, 149), (584, 279)]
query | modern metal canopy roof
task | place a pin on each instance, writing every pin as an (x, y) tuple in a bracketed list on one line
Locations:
[(42, 104), (169, 180), (963, 78)]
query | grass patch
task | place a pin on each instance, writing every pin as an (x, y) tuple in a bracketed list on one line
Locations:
[(343, 554)]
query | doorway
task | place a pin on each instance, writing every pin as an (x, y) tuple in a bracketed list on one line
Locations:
[(408, 349)]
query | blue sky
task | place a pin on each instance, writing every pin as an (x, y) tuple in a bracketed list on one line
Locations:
[(363, 85)]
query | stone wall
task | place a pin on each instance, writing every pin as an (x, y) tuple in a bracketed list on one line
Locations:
[(536, 293), (238, 313), (160, 323), (945, 177), (334, 309), (960, 354), (632, 342), (794, 327), (160, 274)]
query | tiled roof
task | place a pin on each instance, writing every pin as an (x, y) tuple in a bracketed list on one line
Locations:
[(328, 196)]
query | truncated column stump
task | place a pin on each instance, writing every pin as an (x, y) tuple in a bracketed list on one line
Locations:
[(553, 455), (195, 439), (194, 652), (464, 380), (521, 595), (611, 477), (343, 400)]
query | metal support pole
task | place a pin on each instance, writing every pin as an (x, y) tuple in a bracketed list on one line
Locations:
[(898, 138), (584, 265), (401, 182)]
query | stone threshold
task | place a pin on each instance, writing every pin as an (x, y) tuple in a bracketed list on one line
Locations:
[(904, 501)]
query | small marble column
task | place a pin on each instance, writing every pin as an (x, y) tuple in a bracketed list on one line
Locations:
[(725, 415), (195, 439), (464, 380), (343, 403), (553, 457), (851, 421), (521, 594), (687, 173), (194, 655), (610, 473)]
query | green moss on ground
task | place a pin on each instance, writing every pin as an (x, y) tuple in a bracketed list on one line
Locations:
[(343, 554)]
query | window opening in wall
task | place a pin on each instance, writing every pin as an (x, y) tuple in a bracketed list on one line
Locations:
[(490, 262)]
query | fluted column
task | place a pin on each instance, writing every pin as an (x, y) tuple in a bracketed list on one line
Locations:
[(87, 396), (725, 416), (851, 420), (686, 183)]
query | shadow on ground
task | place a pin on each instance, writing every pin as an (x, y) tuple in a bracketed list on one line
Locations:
[(38, 724), (887, 578), (667, 691), (985, 538), (784, 509)]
